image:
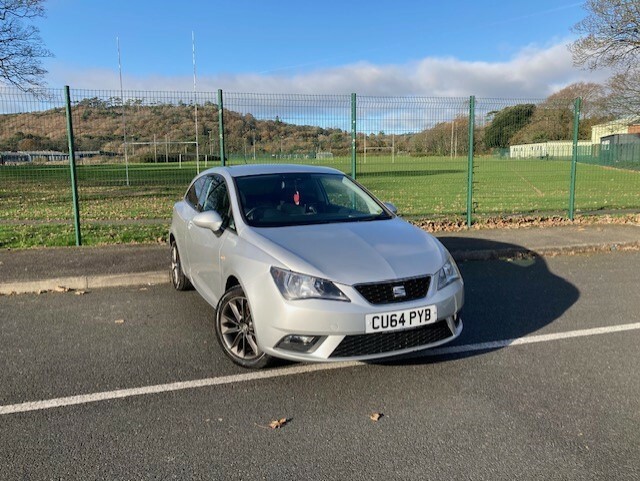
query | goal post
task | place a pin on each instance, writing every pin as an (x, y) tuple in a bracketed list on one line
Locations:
[(391, 148), (380, 152), (324, 155)]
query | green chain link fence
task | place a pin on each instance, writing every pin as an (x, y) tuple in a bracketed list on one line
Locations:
[(523, 153), (447, 158), (412, 151), (35, 194)]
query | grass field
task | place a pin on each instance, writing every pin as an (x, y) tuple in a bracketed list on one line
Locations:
[(37, 206)]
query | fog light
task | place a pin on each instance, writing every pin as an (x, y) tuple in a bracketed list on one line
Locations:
[(298, 343)]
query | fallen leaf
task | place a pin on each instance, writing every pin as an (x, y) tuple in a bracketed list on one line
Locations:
[(119, 321), (80, 293), (375, 417), (144, 289), (61, 289), (278, 423)]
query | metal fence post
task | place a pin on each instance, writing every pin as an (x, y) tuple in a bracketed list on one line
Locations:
[(472, 124), (353, 135), (72, 167), (574, 158), (223, 161)]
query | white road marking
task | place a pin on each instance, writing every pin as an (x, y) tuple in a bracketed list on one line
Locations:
[(301, 369), (483, 346), (174, 386)]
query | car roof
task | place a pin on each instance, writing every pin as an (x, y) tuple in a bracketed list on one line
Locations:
[(259, 169)]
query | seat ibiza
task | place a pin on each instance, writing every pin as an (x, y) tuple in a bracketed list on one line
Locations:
[(303, 263)]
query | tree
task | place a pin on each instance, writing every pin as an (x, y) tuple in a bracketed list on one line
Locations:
[(506, 124), (553, 118), (443, 139), (610, 35), (624, 97), (21, 48)]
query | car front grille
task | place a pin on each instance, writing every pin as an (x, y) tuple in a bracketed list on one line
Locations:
[(383, 342), (383, 292)]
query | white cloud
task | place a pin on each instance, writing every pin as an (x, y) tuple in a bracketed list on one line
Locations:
[(534, 72)]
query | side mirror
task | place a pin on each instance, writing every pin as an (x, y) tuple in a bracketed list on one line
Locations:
[(391, 207), (208, 220)]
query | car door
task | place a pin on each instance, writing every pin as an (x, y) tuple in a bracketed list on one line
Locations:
[(205, 246), (183, 214)]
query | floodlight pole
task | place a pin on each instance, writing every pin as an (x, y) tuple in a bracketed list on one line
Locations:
[(453, 125), (393, 148), (365, 148), (195, 101), (124, 122)]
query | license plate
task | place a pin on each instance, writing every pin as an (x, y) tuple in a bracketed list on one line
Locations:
[(396, 320)]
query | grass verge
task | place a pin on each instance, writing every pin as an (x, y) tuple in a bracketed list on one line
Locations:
[(53, 235)]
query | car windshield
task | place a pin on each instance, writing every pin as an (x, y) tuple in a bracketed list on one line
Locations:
[(275, 200)]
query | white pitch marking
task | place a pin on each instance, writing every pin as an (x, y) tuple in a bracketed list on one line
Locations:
[(538, 191), (290, 371)]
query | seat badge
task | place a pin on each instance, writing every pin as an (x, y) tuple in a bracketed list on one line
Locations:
[(398, 291)]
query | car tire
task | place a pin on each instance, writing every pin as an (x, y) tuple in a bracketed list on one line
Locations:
[(235, 330), (179, 281)]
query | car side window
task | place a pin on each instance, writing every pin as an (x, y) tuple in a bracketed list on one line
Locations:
[(218, 199), (197, 191), (208, 198)]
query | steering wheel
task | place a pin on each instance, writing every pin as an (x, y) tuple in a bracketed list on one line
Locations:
[(250, 213)]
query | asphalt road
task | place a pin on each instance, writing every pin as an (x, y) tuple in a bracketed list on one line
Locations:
[(554, 409)]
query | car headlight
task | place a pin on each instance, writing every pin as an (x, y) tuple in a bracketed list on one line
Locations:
[(294, 286), (448, 274)]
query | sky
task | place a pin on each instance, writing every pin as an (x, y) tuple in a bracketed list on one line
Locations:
[(417, 48)]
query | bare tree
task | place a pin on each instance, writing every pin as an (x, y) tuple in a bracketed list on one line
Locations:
[(610, 37), (624, 96), (21, 48), (610, 34)]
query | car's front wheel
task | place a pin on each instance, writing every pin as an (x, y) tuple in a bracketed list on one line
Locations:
[(235, 330)]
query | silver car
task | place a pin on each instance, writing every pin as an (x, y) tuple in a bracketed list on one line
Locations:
[(303, 263)]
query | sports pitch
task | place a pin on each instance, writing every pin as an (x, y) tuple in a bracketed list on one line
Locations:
[(421, 187)]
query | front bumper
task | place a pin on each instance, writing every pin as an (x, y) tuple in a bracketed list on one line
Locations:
[(338, 328)]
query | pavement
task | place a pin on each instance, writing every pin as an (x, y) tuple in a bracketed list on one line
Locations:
[(84, 268)]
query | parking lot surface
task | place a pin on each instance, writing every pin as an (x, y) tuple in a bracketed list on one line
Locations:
[(542, 384)]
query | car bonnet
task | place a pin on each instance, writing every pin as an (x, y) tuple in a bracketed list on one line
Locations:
[(353, 252)]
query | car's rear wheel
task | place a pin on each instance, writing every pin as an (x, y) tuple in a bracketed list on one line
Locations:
[(178, 279), (235, 330)]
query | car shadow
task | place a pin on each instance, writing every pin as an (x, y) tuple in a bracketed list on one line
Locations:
[(509, 293)]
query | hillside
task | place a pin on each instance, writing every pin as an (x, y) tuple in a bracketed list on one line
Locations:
[(98, 126), (165, 129)]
